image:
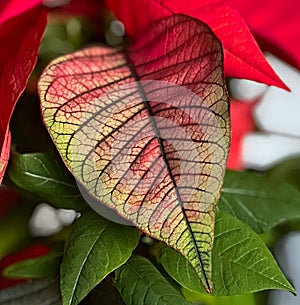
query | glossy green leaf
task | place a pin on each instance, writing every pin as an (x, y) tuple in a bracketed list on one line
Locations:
[(95, 248), (37, 292), (140, 283), (46, 265), (258, 200), (241, 262), (45, 175), (146, 130)]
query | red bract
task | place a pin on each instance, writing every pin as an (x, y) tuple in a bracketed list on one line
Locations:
[(87, 8), (276, 24), (13, 8), (8, 199), (241, 124), (29, 252), (4, 155), (22, 24), (243, 58)]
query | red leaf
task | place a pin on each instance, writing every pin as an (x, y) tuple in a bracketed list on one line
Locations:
[(276, 24), (5, 152), (8, 199), (14, 8), (243, 58), (29, 252), (241, 124), (21, 28), (87, 8), (146, 130)]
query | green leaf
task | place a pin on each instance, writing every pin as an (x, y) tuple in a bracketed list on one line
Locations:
[(43, 266), (258, 200), (95, 248), (140, 283), (45, 175), (288, 170), (42, 292), (241, 262), (204, 298)]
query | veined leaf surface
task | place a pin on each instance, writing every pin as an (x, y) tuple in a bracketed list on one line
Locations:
[(146, 130)]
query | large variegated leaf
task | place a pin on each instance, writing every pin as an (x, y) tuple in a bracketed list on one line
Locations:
[(146, 130)]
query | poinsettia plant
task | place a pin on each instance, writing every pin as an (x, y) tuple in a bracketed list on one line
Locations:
[(135, 136)]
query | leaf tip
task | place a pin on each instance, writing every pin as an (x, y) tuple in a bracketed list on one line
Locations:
[(209, 288), (281, 84), (207, 283), (291, 289), (277, 81)]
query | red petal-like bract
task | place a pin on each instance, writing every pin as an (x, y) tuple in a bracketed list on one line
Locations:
[(5, 151), (276, 24), (241, 124), (243, 58), (27, 253), (146, 131), (15, 8), (21, 36)]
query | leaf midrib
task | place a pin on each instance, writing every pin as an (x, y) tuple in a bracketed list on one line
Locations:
[(161, 146), (48, 179), (84, 261)]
